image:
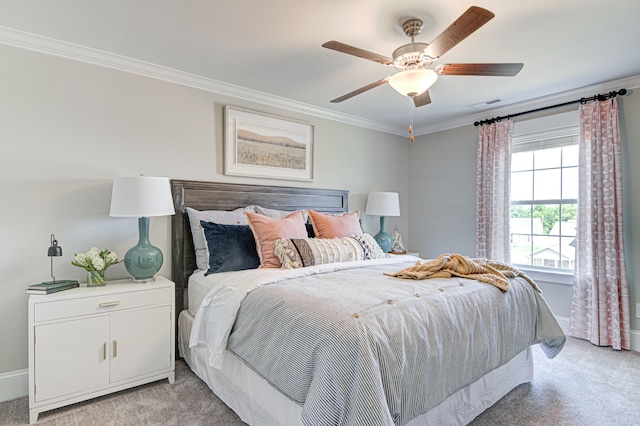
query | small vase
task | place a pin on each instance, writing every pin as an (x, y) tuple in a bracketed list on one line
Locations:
[(96, 278)]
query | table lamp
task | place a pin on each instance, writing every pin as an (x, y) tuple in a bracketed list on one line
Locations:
[(383, 204), (142, 197), (56, 251)]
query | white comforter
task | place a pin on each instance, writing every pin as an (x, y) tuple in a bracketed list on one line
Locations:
[(217, 313), (371, 349)]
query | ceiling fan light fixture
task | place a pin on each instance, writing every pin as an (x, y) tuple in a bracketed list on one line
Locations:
[(413, 82)]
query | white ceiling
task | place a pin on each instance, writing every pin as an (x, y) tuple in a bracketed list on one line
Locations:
[(274, 47)]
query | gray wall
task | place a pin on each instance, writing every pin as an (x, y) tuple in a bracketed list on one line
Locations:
[(68, 128), (442, 188)]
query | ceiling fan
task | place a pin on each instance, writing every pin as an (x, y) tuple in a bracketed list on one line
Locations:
[(412, 60)]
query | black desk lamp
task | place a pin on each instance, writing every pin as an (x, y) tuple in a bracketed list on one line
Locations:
[(56, 251)]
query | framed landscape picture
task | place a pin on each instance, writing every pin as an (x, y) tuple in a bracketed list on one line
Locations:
[(267, 146)]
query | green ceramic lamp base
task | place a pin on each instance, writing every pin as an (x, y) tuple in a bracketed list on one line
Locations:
[(384, 240), (144, 260)]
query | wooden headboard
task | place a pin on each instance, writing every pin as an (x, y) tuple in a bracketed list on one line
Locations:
[(230, 196)]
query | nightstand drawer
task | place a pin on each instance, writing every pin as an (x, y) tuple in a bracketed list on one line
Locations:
[(47, 311)]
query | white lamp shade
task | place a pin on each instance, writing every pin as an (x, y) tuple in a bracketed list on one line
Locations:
[(413, 82), (141, 196), (383, 204)]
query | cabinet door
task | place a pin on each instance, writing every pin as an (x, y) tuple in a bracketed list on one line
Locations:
[(140, 342), (71, 357)]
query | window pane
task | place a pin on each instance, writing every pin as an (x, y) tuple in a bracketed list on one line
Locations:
[(569, 217), (570, 183), (549, 215), (522, 161), (570, 155), (546, 158), (546, 251), (521, 186), (547, 184), (521, 221), (521, 249), (521, 227)]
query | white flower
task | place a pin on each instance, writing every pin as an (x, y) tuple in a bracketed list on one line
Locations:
[(112, 257), (95, 260), (98, 263)]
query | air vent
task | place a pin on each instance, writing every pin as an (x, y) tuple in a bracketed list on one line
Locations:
[(485, 103)]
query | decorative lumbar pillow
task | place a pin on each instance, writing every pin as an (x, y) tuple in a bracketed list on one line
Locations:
[(330, 226), (231, 247), (297, 253), (278, 213), (370, 246), (234, 217), (268, 229)]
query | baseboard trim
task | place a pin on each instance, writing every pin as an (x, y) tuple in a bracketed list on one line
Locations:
[(635, 334), (635, 340), (564, 324), (14, 385)]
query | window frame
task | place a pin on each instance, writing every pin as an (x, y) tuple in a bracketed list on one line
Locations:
[(538, 135)]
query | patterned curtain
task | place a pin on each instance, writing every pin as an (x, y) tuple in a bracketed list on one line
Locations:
[(600, 304), (493, 191)]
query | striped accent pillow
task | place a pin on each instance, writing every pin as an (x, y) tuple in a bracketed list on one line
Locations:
[(296, 253)]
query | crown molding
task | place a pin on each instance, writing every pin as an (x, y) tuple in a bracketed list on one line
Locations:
[(49, 46), (541, 102), (53, 47)]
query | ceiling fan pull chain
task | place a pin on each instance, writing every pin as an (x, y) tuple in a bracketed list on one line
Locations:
[(411, 119)]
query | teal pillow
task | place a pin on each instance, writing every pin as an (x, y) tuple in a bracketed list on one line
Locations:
[(231, 247)]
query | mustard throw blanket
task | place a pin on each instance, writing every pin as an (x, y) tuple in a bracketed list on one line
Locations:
[(448, 265)]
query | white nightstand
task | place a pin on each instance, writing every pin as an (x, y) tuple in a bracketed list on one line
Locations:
[(91, 341)]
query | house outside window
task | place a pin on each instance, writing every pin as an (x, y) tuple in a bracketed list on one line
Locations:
[(544, 198)]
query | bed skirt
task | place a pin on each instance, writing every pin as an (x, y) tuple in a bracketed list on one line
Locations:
[(258, 403)]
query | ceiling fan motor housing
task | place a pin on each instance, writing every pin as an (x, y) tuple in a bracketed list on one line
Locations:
[(411, 56)]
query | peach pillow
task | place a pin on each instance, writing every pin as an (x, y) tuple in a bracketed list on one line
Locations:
[(268, 229), (330, 226)]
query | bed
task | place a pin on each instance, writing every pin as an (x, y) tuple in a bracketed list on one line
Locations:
[(343, 343)]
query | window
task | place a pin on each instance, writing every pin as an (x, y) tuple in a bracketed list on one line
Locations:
[(544, 198)]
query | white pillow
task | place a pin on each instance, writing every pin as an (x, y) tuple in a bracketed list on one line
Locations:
[(278, 213), (234, 217)]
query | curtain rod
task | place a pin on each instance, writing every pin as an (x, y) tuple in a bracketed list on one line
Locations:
[(599, 97)]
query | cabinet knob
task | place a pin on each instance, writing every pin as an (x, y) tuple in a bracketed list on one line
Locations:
[(106, 304)]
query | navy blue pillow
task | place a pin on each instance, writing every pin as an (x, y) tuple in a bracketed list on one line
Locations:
[(231, 247), (310, 232)]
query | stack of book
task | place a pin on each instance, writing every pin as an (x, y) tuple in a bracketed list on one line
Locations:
[(51, 287)]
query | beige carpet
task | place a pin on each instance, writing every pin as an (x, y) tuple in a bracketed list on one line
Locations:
[(583, 385)]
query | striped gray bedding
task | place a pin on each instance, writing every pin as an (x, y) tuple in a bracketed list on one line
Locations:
[(355, 347)]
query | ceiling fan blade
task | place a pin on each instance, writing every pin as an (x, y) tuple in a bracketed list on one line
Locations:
[(466, 24), (499, 70), (350, 50), (421, 100), (360, 90)]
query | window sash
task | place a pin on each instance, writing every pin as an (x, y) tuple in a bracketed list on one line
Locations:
[(553, 138)]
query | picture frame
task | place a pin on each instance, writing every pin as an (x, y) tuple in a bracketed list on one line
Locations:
[(267, 146)]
